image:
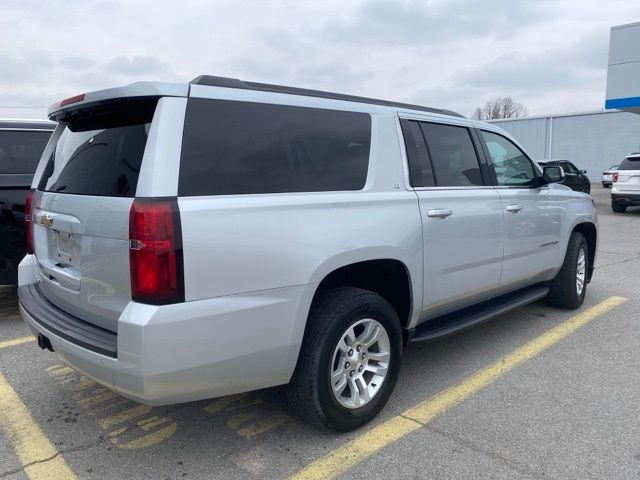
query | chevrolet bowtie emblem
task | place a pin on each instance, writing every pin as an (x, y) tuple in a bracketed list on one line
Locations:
[(46, 220)]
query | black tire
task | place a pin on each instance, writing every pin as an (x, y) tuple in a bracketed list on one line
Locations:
[(309, 392), (617, 207), (562, 290)]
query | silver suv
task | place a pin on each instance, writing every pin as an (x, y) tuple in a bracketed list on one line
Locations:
[(197, 240)]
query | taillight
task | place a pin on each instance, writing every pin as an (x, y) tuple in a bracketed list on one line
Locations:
[(27, 222), (614, 176), (155, 251)]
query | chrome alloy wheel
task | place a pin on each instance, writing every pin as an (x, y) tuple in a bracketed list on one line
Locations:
[(581, 271), (360, 363)]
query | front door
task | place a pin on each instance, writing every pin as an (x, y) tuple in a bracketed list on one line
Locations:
[(532, 215)]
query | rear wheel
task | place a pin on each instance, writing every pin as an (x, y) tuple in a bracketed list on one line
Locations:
[(349, 359), (568, 288), (617, 207)]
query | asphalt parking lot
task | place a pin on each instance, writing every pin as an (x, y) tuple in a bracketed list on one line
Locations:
[(566, 405)]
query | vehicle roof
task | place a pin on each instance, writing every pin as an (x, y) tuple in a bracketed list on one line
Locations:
[(26, 124), (214, 81), (158, 89), (633, 156)]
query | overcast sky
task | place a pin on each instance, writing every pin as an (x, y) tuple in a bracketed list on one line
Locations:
[(549, 55)]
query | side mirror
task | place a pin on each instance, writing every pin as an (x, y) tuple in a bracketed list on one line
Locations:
[(553, 174), (583, 172)]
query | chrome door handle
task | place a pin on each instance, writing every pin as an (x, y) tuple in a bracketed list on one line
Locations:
[(514, 208), (439, 213)]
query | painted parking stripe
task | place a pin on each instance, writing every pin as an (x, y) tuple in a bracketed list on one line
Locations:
[(37, 454), (357, 450), (16, 341)]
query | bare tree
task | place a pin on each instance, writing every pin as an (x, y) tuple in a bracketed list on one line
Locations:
[(500, 107)]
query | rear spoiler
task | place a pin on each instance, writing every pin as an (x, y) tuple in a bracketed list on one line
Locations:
[(64, 108)]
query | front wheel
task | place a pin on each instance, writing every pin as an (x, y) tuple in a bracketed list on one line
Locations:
[(568, 288), (349, 359)]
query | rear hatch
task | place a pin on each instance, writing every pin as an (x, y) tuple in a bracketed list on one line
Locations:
[(628, 173), (80, 210)]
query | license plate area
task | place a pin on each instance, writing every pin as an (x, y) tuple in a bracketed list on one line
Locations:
[(66, 249)]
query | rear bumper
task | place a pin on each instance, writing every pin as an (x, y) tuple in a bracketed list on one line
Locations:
[(626, 199), (190, 351)]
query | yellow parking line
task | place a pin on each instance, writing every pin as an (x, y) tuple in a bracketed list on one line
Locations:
[(357, 450), (16, 341), (36, 453)]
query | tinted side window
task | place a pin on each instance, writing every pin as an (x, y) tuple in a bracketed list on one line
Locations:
[(569, 167), (20, 151), (241, 147), (512, 166), (453, 155), (420, 172)]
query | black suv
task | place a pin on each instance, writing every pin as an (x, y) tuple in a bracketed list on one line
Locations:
[(21, 145), (575, 179)]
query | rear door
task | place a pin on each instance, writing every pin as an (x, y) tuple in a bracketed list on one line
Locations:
[(462, 219), (81, 209)]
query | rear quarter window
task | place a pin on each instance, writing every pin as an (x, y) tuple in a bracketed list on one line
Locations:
[(233, 147), (20, 151)]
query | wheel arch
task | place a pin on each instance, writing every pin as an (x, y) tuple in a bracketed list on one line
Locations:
[(388, 277), (590, 232)]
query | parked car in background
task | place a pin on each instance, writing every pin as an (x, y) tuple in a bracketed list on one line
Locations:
[(625, 190), (607, 175), (21, 145), (197, 240), (575, 179)]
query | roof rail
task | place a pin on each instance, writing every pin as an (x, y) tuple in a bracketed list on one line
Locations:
[(213, 81)]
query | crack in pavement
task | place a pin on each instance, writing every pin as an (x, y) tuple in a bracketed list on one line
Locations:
[(77, 448), (618, 263), (510, 464)]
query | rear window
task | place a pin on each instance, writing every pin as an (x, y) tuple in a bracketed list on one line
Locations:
[(242, 148), (20, 151), (100, 151), (630, 164)]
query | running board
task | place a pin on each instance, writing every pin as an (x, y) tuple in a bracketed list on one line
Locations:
[(468, 317)]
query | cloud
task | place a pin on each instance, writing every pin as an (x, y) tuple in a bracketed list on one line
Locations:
[(413, 22), (137, 65), (77, 62)]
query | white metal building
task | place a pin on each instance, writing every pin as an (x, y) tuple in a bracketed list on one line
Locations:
[(591, 140)]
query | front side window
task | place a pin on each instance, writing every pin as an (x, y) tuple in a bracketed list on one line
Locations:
[(512, 167), (231, 147), (569, 167), (454, 158)]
